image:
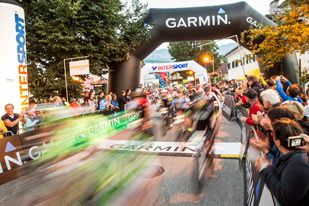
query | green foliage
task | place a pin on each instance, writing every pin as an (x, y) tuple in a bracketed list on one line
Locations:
[(184, 51), (104, 30)]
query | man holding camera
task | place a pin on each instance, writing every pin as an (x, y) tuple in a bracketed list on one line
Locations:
[(292, 92)]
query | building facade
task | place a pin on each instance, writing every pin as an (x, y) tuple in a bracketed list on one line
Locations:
[(240, 62)]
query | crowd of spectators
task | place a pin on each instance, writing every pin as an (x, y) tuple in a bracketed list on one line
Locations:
[(29, 119), (279, 112)]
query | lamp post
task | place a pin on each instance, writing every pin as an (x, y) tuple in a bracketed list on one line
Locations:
[(207, 59)]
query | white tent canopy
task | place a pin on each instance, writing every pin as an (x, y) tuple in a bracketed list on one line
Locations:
[(148, 70)]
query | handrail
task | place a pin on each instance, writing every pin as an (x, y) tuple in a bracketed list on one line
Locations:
[(5, 134)]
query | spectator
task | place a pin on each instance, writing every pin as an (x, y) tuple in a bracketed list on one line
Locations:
[(238, 94), (12, 119), (251, 99), (92, 100), (31, 122), (2, 128), (114, 102), (288, 179), (270, 99), (122, 100), (102, 104), (57, 101), (86, 102), (253, 83), (292, 93), (299, 111), (33, 107), (74, 103), (101, 96), (267, 145), (128, 95), (270, 84), (65, 103)]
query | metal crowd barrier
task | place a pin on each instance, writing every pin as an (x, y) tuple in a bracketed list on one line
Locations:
[(256, 192)]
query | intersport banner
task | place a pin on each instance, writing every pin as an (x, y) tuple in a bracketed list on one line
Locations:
[(13, 68)]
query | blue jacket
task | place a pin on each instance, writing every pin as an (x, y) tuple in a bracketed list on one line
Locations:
[(283, 95), (115, 103)]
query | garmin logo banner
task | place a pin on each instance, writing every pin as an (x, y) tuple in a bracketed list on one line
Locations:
[(214, 20)]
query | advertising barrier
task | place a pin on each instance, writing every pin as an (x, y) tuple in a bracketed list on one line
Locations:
[(17, 151)]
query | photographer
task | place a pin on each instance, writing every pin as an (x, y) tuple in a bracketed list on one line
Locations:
[(292, 92), (288, 179)]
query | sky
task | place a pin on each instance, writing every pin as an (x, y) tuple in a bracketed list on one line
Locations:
[(261, 6)]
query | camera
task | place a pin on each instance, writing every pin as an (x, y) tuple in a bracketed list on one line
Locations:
[(296, 141)]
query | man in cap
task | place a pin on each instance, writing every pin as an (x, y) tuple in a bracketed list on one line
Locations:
[(251, 99)]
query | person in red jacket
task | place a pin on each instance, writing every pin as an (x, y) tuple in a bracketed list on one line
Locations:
[(251, 99)]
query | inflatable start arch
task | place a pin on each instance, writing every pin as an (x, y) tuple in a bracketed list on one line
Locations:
[(189, 24)]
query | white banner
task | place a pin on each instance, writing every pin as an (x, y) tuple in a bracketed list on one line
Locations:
[(14, 73), (79, 67)]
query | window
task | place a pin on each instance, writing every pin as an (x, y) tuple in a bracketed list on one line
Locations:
[(236, 63), (233, 64), (254, 58), (229, 66), (243, 60)]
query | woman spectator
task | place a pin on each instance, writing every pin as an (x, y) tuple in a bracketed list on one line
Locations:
[(92, 100), (31, 122), (115, 103), (11, 119), (288, 179)]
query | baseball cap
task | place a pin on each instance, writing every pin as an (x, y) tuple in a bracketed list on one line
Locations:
[(251, 94), (271, 96)]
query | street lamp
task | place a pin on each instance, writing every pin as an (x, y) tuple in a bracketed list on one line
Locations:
[(207, 59)]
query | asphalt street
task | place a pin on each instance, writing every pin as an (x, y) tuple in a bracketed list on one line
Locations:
[(177, 186)]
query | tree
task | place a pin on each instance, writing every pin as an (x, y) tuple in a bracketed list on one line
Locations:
[(197, 51), (273, 43), (104, 30)]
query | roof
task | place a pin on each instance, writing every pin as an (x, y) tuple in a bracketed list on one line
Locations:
[(223, 68), (231, 51), (99, 82)]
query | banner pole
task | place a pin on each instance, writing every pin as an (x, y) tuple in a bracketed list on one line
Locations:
[(66, 84)]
